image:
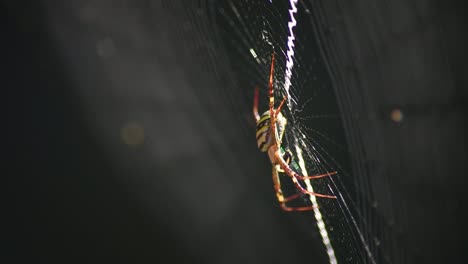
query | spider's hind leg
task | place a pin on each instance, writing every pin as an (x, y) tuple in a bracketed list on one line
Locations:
[(284, 200), (287, 156)]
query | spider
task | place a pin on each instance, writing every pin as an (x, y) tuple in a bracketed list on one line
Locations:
[(272, 122)]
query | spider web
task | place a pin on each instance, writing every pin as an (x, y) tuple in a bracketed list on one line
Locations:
[(252, 31)]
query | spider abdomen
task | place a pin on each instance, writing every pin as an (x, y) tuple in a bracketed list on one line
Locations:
[(264, 138)]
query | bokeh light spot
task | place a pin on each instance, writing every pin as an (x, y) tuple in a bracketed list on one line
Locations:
[(396, 115)]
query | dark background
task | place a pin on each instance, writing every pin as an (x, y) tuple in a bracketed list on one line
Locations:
[(193, 191)]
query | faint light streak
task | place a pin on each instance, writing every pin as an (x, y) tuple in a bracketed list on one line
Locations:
[(290, 52), (318, 215), (396, 115), (132, 134), (265, 36), (233, 7), (252, 51)]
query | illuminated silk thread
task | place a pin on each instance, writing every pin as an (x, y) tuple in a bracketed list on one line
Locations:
[(317, 214), (287, 84), (290, 51)]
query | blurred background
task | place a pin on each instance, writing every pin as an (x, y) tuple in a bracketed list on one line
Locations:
[(131, 136)]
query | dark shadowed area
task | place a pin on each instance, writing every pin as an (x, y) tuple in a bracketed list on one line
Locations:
[(130, 131)]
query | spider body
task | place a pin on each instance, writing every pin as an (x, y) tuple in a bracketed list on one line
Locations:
[(264, 135), (271, 127)]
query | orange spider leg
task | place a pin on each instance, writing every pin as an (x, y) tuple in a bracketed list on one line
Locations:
[(255, 105), (272, 100), (280, 106), (315, 176), (296, 209), (283, 200), (294, 176)]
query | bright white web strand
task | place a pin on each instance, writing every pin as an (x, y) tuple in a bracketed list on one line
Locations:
[(287, 84), (290, 51), (318, 215)]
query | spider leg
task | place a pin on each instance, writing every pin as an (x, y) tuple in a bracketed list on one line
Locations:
[(283, 200), (294, 176), (272, 102), (317, 176), (287, 156), (255, 105), (280, 106), (270, 83), (286, 208)]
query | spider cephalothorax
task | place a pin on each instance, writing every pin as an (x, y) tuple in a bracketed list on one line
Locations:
[(270, 130)]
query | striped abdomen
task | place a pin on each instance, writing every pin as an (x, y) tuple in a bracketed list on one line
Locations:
[(264, 138)]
